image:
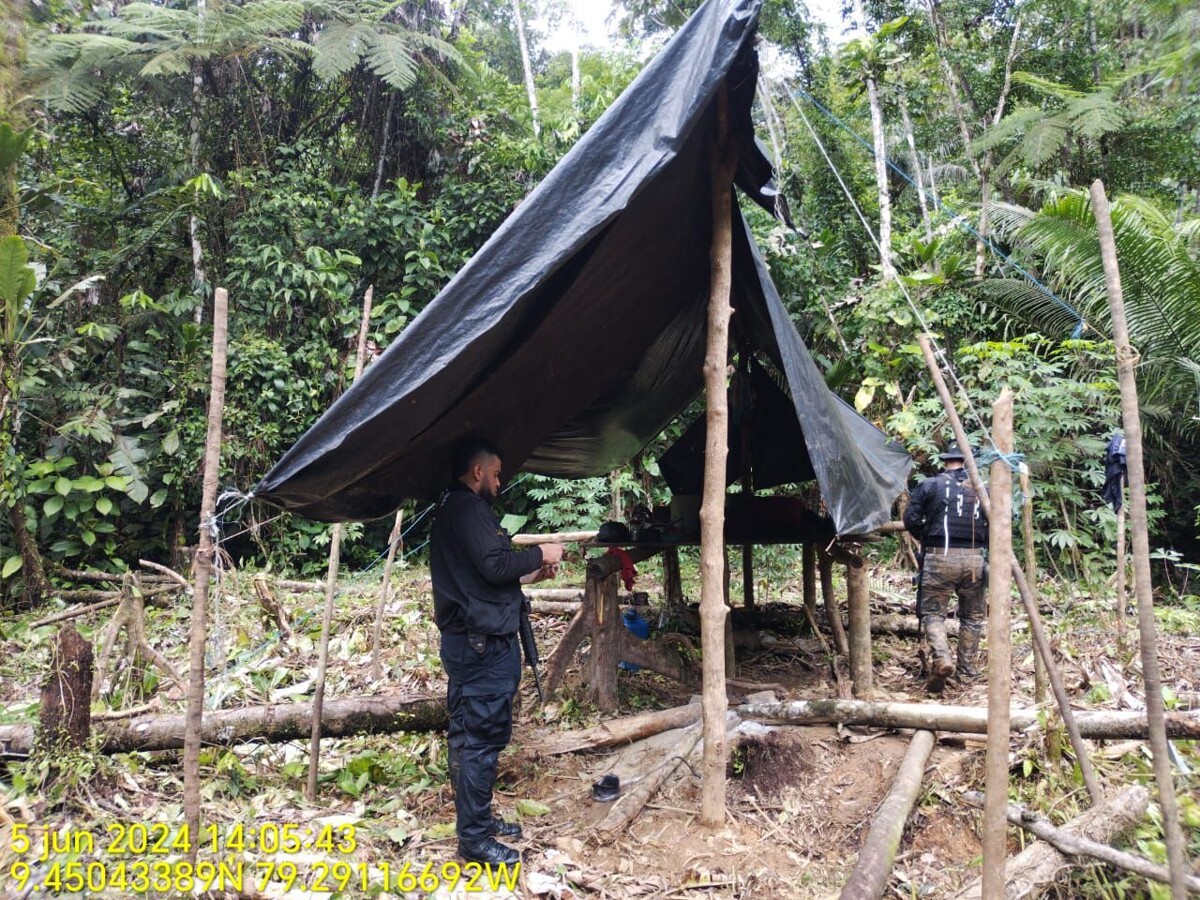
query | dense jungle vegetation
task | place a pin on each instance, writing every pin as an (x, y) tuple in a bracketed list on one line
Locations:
[(297, 151)]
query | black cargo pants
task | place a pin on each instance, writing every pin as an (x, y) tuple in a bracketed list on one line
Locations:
[(480, 700)]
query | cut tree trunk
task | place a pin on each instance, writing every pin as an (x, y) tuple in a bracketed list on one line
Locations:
[(1039, 864), (1096, 725), (714, 613), (1140, 534), (65, 711), (275, 723), (999, 668), (198, 637), (870, 876)]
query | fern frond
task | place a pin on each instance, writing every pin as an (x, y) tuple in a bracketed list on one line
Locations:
[(390, 57)]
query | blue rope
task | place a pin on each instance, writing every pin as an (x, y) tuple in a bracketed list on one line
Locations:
[(988, 456), (959, 219)]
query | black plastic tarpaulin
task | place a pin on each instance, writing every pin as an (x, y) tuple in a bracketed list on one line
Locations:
[(576, 333)]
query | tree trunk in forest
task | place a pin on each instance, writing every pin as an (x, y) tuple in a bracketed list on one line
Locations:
[(999, 657), (530, 87), (274, 723), (713, 611), (870, 876), (1142, 587), (808, 564), (199, 279), (198, 639), (1097, 725), (65, 712), (1039, 667), (915, 166), (1039, 864), (395, 544), (879, 141), (12, 18)]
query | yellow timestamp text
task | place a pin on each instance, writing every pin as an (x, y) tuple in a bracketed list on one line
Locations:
[(235, 875)]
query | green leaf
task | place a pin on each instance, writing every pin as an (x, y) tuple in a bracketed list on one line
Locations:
[(17, 279), (63, 485), (89, 483), (53, 505), (532, 808), (87, 537), (11, 565), (439, 831), (116, 482), (170, 443), (157, 498), (104, 506)]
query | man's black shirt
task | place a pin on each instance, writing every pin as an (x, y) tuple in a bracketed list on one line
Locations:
[(476, 572)]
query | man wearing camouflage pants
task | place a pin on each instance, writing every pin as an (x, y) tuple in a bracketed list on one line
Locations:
[(944, 512)]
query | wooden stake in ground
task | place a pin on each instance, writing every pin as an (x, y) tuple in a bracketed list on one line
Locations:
[(858, 598), (395, 542), (995, 848), (713, 610), (1039, 667), (870, 876), (1040, 641), (832, 613), (1121, 564), (1143, 590), (335, 556), (198, 639)]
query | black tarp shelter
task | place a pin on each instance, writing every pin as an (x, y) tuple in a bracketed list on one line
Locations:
[(577, 332)]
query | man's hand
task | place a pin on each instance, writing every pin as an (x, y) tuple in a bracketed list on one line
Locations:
[(552, 554), (543, 574)]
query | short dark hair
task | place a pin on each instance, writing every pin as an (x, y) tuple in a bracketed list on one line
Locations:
[(470, 451)]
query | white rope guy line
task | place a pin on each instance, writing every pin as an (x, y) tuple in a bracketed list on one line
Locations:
[(938, 352)]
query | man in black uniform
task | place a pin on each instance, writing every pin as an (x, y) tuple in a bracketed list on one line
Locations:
[(477, 578), (944, 512)]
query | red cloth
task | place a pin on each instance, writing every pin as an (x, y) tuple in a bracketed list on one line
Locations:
[(628, 572)]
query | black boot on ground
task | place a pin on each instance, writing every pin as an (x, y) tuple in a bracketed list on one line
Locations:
[(503, 829), (488, 852)]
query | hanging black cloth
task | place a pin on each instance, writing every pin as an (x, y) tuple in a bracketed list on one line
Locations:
[(1115, 472)]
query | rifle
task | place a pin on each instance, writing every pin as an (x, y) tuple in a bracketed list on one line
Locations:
[(529, 646)]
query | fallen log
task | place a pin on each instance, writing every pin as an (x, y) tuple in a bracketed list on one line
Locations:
[(554, 607), (1094, 725), (273, 723), (627, 806), (870, 876), (1077, 845), (1039, 864), (622, 731), (561, 537), (570, 594)]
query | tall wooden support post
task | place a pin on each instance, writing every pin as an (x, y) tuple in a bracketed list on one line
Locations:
[(602, 665), (1142, 587), (672, 585), (1040, 641), (995, 825), (335, 557), (745, 404), (1039, 667), (713, 611), (833, 612), (198, 638), (858, 595)]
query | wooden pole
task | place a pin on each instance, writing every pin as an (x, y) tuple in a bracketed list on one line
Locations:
[(1041, 642), (746, 399), (808, 568), (832, 612), (395, 542), (1039, 667), (335, 556), (858, 597), (870, 876), (1142, 588), (995, 847), (198, 638), (713, 610)]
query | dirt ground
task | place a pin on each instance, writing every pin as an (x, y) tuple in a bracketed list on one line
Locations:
[(799, 799)]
